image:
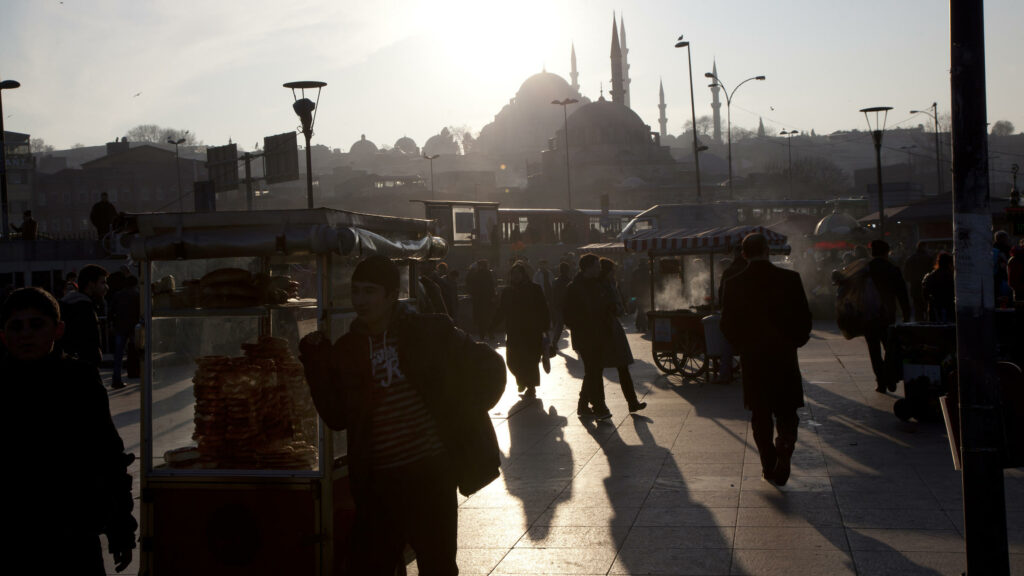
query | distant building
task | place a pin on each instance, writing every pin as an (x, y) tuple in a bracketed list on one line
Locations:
[(20, 174)]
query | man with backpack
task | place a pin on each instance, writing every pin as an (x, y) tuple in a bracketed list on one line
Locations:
[(886, 289)]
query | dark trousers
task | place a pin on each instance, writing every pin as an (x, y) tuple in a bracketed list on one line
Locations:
[(414, 504), (592, 390), (875, 336), (785, 423), (626, 382)]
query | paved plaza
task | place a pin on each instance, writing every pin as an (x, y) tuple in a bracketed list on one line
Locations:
[(676, 489)]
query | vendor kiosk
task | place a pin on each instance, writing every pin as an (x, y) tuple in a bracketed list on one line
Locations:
[(238, 475)]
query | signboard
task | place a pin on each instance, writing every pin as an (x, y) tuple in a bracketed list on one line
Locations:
[(222, 166), (281, 157)]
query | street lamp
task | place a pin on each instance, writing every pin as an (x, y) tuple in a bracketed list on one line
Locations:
[(177, 167), (565, 117), (728, 114), (306, 110), (789, 139), (693, 111), (876, 135), (5, 85), (432, 157), (938, 151)]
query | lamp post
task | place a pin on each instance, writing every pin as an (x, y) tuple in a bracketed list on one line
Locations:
[(876, 135), (789, 139), (938, 151), (306, 110), (432, 157), (693, 111), (728, 115), (177, 168), (565, 117), (5, 85)]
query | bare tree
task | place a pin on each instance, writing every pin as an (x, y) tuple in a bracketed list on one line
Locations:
[(39, 146), (159, 135), (1003, 128), (704, 124)]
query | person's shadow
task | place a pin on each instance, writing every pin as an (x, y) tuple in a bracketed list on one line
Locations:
[(539, 468)]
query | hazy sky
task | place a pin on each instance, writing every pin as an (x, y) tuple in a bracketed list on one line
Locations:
[(92, 69)]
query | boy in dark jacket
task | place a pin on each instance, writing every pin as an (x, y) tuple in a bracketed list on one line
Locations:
[(78, 308), (78, 486), (413, 392)]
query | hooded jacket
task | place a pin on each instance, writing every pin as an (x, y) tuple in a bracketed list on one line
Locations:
[(82, 333), (458, 379)]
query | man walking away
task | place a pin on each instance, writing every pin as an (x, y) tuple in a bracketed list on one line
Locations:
[(525, 313), (82, 337), (124, 312), (480, 284), (29, 227), (413, 392), (891, 290), (765, 317), (915, 268), (585, 313)]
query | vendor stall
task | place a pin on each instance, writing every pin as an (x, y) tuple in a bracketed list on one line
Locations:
[(238, 474), (679, 343)]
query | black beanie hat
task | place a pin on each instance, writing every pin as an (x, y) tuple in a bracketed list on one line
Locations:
[(377, 269)]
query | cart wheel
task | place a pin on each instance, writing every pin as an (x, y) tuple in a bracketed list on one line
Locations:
[(666, 362), (691, 359), (902, 409)]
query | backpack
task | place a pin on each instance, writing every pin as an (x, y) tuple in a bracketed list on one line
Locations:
[(858, 300)]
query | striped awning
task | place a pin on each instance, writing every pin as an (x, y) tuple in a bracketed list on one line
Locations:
[(690, 241)]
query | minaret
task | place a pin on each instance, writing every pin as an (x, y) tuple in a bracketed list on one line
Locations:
[(616, 90), (625, 61), (574, 75), (716, 105), (662, 120)]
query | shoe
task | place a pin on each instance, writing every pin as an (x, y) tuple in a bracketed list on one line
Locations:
[(546, 363), (530, 394), (552, 352), (638, 406), (520, 387), (891, 385), (117, 385), (603, 415), (782, 468), (880, 389), (583, 409)]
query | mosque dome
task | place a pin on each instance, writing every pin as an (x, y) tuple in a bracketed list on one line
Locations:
[(542, 88), (407, 145), (836, 223), (363, 147), (607, 124)]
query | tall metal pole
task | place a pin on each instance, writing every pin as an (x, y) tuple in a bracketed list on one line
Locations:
[(431, 158), (309, 169), (5, 85), (938, 153), (693, 112), (728, 116), (565, 117), (984, 500), (876, 136)]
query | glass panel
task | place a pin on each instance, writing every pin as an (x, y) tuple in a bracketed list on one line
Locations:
[(228, 390)]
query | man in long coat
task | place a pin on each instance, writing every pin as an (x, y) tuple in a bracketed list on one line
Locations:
[(765, 317)]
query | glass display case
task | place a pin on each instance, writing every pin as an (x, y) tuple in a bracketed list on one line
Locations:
[(238, 473)]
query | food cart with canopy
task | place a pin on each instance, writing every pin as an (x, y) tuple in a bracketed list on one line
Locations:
[(238, 474), (679, 343)]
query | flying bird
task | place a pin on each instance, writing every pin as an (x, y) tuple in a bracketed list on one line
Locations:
[(772, 108), (137, 94)]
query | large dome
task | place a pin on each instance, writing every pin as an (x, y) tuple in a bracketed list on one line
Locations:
[(407, 145), (544, 87), (608, 115), (363, 147)]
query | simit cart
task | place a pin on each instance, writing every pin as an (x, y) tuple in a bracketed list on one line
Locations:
[(687, 340), (238, 475)]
